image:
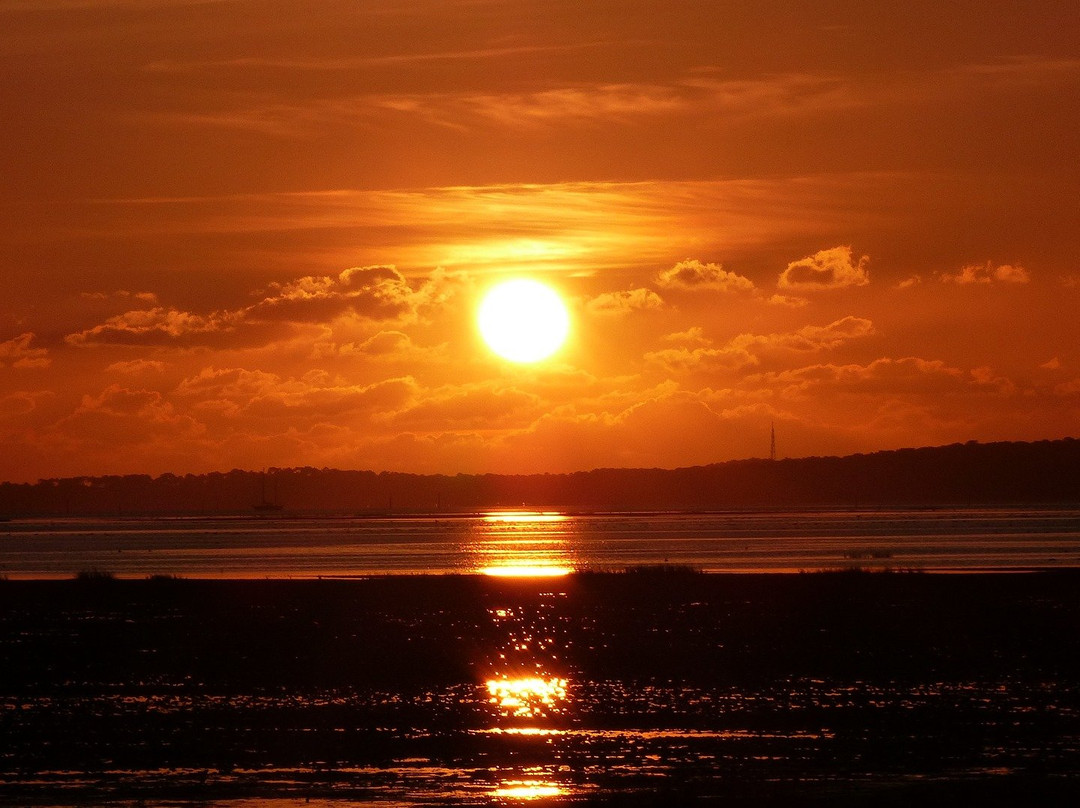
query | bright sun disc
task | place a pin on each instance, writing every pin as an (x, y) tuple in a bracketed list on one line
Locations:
[(523, 320)]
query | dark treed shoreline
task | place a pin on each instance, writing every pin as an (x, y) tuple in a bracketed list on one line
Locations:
[(1043, 472)]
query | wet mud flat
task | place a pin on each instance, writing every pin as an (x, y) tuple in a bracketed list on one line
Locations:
[(653, 687)]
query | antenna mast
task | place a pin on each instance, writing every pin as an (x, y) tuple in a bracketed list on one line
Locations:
[(772, 441)]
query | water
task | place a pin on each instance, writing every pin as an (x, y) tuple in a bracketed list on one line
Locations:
[(256, 547), (657, 687), (617, 739)]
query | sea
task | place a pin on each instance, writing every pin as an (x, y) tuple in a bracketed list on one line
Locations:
[(508, 542), (541, 658)]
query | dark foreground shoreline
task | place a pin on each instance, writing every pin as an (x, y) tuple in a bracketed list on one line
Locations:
[(831, 688)]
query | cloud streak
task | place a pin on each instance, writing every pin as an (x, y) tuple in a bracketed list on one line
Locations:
[(376, 293), (747, 350), (975, 274)]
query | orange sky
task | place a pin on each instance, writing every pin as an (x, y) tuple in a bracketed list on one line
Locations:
[(250, 233)]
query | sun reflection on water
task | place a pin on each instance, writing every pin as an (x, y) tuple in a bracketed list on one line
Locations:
[(512, 570), (522, 544), (527, 696), (523, 517), (528, 789)]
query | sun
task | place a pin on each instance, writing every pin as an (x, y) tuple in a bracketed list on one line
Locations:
[(523, 320)]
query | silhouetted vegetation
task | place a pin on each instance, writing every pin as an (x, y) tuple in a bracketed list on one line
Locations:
[(959, 474)]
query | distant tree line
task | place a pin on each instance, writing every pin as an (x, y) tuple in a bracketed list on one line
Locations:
[(958, 474)]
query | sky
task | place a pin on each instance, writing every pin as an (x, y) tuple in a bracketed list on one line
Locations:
[(252, 234)]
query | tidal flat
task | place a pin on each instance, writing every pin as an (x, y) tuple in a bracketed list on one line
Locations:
[(657, 686)]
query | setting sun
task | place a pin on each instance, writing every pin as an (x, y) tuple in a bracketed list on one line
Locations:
[(523, 320)]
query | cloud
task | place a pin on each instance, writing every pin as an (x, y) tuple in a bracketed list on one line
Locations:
[(385, 347), (747, 349), (228, 383), (602, 102), (136, 367), (617, 304), (72, 5), (704, 93), (21, 402), (350, 63), (570, 226), (122, 296), (1068, 389), (692, 274), (814, 337), (122, 401), (825, 269), (382, 344), (19, 354), (122, 416), (666, 430), (581, 104), (987, 377), (987, 273), (479, 406), (909, 375), (237, 392), (788, 301), (376, 292), (679, 360), (694, 335), (156, 326)]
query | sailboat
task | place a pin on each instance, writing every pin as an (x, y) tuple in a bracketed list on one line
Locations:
[(264, 505)]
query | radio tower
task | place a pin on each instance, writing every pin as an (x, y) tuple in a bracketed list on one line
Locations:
[(772, 441)]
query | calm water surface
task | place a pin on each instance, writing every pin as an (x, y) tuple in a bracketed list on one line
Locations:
[(256, 547), (682, 682)]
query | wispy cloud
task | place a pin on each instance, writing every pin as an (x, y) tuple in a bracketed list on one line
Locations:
[(580, 104), (377, 293), (353, 62), (707, 94), (18, 353), (574, 226), (746, 350), (986, 273), (72, 5)]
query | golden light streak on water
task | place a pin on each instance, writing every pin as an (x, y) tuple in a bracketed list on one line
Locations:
[(520, 543), (527, 696), (517, 517), (528, 790), (526, 571)]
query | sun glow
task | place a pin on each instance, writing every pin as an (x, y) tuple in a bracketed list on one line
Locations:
[(523, 320)]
